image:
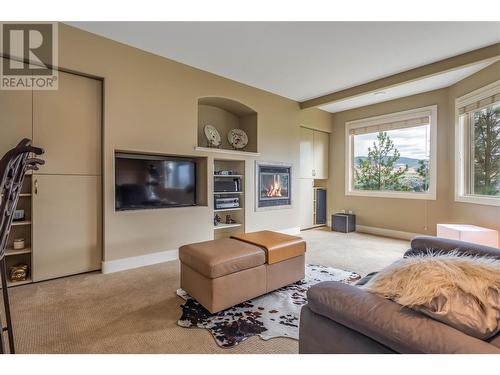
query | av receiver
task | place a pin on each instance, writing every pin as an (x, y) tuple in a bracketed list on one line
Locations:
[(225, 185), (225, 202)]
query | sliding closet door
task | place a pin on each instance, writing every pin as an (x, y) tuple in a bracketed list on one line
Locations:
[(67, 189)]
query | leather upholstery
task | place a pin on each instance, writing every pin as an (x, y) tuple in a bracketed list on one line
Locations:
[(226, 291), (321, 335), (343, 318), (222, 273), (221, 257), (278, 246), (284, 273), (424, 244), (401, 329)]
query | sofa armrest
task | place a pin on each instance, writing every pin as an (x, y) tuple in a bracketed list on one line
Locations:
[(422, 245), (399, 328)]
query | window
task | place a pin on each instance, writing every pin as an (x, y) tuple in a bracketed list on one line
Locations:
[(478, 146), (392, 155)]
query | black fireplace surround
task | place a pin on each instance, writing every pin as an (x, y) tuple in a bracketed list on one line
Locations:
[(274, 185)]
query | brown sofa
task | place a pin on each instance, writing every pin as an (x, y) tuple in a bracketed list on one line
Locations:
[(342, 318), (225, 272)]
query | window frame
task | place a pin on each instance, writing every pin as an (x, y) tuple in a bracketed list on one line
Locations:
[(392, 117), (463, 149)]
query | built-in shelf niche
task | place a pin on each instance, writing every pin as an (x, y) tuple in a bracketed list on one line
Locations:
[(226, 114), (223, 230), (21, 229)]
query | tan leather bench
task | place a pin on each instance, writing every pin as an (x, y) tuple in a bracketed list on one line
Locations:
[(225, 272)]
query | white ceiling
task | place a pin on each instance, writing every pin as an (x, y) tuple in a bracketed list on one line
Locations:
[(409, 88), (304, 60)]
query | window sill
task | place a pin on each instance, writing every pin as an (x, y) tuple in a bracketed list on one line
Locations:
[(475, 199), (391, 194)]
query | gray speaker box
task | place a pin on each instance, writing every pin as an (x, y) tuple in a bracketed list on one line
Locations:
[(344, 223)]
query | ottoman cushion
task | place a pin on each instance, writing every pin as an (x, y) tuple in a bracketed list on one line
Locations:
[(278, 246), (221, 257)]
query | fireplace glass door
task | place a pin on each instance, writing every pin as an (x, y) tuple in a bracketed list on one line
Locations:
[(274, 186)]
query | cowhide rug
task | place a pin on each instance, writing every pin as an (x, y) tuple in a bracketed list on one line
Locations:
[(275, 314)]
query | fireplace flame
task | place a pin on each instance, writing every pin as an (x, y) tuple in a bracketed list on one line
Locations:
[(274, 190)]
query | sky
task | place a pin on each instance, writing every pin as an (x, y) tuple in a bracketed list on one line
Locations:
[(411, 143)]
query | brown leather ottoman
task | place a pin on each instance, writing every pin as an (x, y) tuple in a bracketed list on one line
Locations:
[(225, 272), (285, 259)]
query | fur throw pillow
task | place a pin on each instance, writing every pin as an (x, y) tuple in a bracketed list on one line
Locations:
[(461, 291)]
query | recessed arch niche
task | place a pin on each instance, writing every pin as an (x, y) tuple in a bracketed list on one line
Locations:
[(226, 114)]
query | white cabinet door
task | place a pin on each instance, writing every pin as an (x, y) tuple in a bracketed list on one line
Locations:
[(15, 118), (306, 153), (66, 225), (306, 203), (321, 154), (67, 124)]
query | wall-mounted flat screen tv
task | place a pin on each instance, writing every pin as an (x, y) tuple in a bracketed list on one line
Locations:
[(151, 181)]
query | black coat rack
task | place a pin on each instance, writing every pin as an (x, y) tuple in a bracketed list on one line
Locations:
[(13, 167)]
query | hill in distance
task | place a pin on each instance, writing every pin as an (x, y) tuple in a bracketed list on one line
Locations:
[(412, 163)]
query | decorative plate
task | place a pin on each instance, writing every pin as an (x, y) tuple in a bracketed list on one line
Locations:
[(212, 135), (237, 138)]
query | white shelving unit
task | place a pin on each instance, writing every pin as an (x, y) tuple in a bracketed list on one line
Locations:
[(18, 223), (227, 226), (225, 151), (22, 229), (11, 252), (17, 283), (236, 213), (228, 209)]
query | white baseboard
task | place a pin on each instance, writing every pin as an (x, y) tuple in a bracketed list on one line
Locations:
[(158, 257), (139, 261), (386, 232), (291, 231)]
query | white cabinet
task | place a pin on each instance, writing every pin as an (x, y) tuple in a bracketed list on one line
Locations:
[(306, 153), (67, 188), (320, 154), (15, 118), (306, 203), (67, 125), (63, 211), (314, 153), (66, 225)]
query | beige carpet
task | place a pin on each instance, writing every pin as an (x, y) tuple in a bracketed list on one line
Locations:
[(136, 311)]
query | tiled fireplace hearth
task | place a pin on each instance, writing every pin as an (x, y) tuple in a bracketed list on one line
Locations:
[(273, 190)]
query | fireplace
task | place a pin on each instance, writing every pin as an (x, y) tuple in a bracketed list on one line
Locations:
[(273, 188)]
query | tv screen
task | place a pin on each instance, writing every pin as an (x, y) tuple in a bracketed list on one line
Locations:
[(147, 181)]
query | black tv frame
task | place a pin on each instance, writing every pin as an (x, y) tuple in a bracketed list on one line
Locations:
[(141, 156)]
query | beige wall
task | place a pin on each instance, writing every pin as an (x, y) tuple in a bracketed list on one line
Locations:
[(412, 215), (488, 216), (150, 105), (224, 120)]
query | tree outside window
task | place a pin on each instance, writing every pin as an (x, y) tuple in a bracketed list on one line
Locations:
[(485, 126), (395, 160)]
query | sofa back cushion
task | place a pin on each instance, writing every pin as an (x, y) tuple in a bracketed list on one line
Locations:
[(439, 245), (461, 291)]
